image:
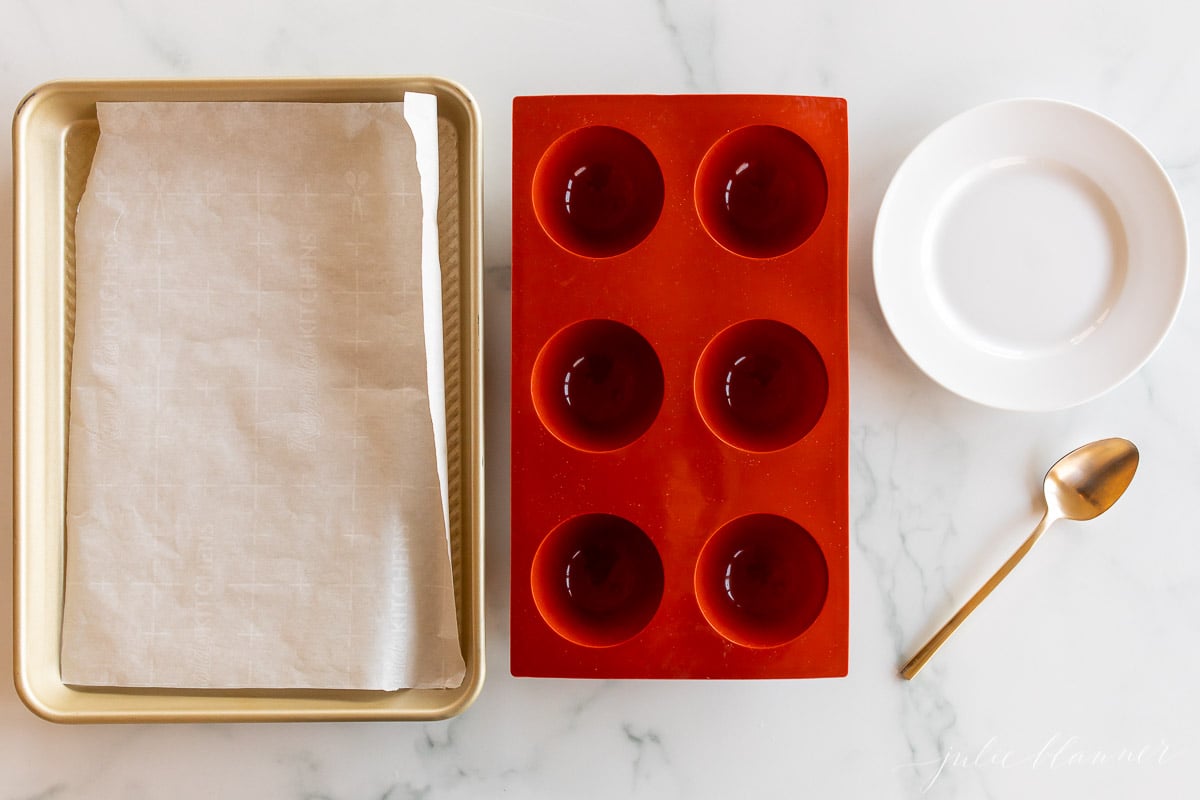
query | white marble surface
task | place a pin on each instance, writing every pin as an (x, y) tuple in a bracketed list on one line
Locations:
[(1077, 679)]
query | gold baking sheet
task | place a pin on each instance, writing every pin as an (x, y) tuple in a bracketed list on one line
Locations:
[(54, 139)]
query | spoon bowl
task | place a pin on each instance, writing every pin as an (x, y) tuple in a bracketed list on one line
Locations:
[(1086, 482), (1080, 486)]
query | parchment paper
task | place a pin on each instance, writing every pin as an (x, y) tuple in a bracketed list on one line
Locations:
[(253, 493)]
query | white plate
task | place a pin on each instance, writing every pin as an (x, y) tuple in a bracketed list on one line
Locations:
[(1030, 255)]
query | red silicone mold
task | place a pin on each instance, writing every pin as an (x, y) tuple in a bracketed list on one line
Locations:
[(680, 393)]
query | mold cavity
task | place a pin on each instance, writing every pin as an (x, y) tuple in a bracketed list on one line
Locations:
[(597, 385), (761, 580), (597, 580), (761, 191), (598, 191), (761, 385)]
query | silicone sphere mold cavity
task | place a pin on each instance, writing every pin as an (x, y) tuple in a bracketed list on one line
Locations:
[(761, 580), (761, 385), (597, 580), (761, 191), (598, 191), (597, 385)]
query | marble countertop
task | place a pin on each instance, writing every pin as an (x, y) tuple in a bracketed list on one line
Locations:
[(1076, 679)]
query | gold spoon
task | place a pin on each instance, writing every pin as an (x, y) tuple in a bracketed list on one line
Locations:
[(1082, 485)]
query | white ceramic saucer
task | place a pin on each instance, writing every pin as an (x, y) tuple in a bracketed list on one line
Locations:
[(1030, 255)]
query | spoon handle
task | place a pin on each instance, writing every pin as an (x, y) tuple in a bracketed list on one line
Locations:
[(925, 653)]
